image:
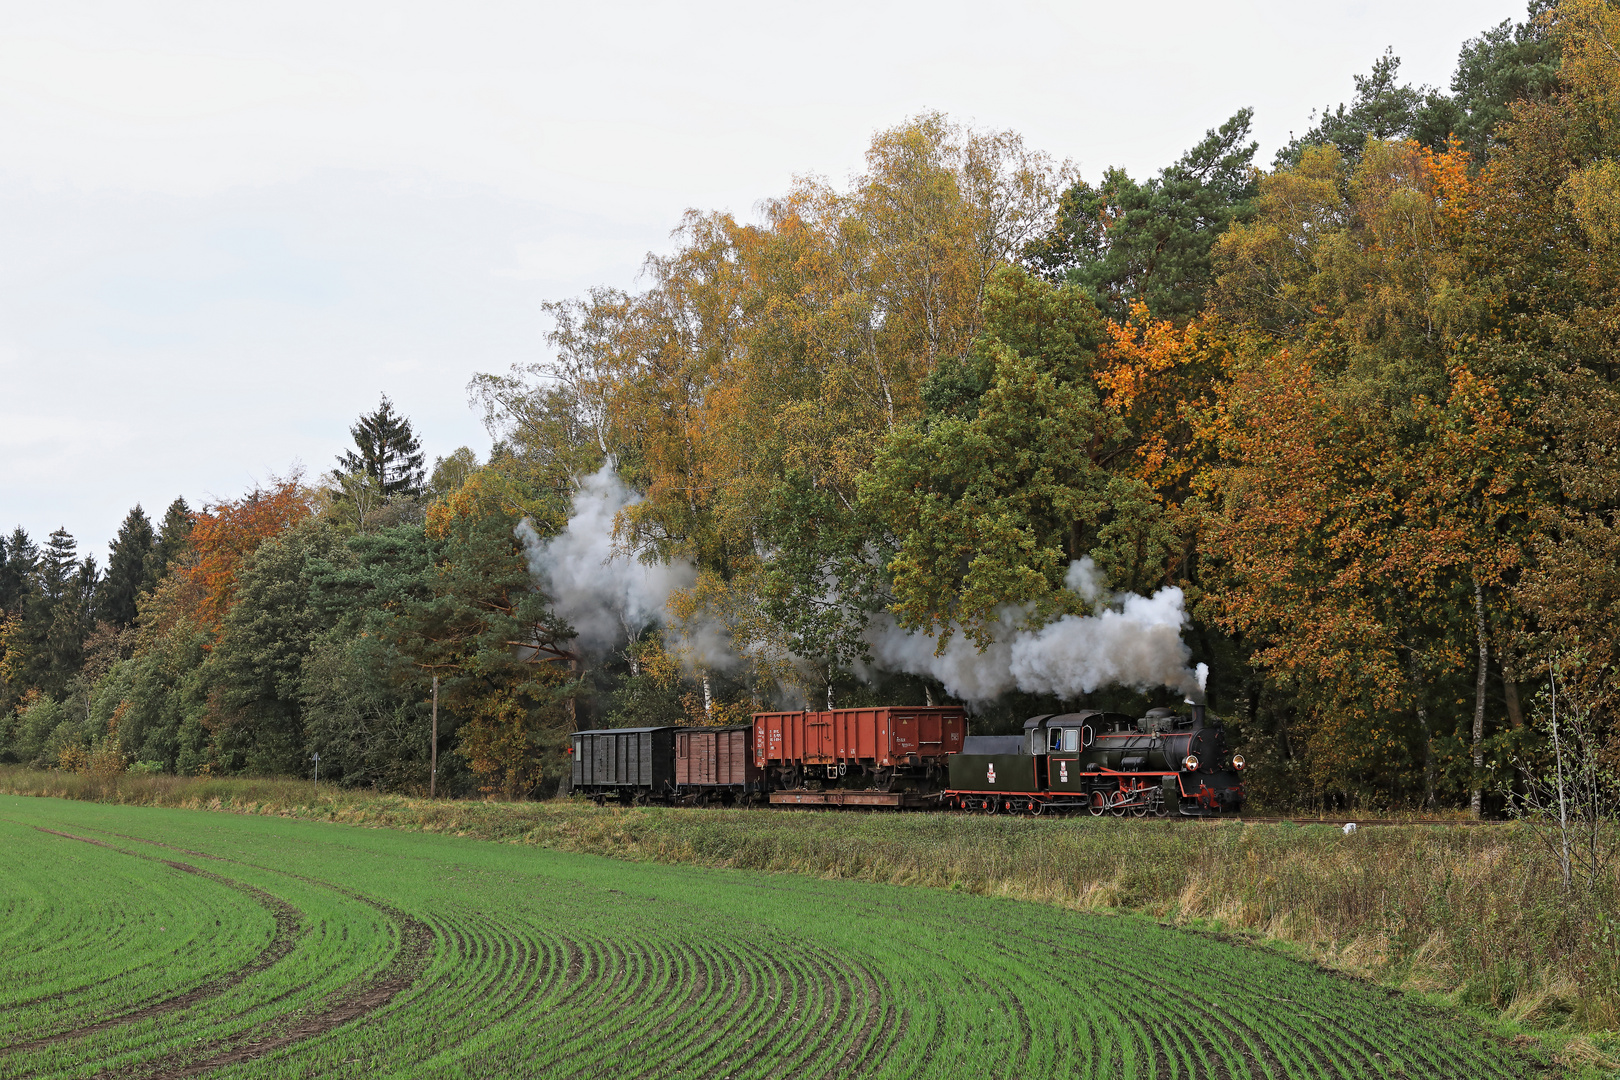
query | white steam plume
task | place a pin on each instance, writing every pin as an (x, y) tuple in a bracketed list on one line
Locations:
[(1132, 641), (606, 596)]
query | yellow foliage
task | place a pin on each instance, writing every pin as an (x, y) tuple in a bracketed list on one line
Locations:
[(1594, 195)]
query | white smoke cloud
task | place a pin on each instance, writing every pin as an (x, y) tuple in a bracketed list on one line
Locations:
[(1131, 641), (607, 597)]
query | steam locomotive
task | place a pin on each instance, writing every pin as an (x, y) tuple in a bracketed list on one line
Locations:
[(1089, 761), (1100, 763)]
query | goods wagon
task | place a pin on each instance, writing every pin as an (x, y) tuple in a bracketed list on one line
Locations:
[(634, 764), (1103, 763), (716, 763), (874, 748)]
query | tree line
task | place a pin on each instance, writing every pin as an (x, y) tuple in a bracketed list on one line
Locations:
[(1360, 407)]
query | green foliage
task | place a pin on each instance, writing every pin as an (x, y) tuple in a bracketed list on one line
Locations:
[(390, 454), (989, 501), (172, 536), (255, 667), (36, 722), (18, 557), (449, 473), (1509, 62), (1125, 241), (131, 570), (1382, 109)]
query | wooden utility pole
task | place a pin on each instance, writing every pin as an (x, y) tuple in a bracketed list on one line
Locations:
[(433, 776)]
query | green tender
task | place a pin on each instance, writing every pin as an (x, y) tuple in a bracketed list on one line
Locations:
[(392, 954)]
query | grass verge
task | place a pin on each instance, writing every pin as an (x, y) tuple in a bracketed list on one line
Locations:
[(1473, 916)]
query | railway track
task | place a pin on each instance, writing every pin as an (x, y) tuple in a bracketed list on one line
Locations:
[(856, 799)]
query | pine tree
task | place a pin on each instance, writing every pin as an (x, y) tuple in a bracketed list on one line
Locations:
[(59, 566), (129, 570), (17, 558), (389, 452), (1125, 241), (172, 537)]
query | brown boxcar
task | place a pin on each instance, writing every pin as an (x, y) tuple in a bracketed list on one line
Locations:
[(850, 745), (716, 760)]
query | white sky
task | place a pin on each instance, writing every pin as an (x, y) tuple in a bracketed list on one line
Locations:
[(225, 228)]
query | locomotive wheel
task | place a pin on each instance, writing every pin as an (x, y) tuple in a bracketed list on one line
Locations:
[(1140, 809), (1117, 803), (991, 805), (1161, 808), (1036, 807), (1097, 805)]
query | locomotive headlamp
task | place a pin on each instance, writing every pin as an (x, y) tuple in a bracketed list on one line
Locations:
[(1237, 762), (1190, 763)]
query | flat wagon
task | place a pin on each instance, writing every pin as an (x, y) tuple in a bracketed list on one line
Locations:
[(716, 764), (630, 764), (872, 748)]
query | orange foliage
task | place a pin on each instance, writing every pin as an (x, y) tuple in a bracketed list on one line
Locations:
[(226, 533), (1151, 372)]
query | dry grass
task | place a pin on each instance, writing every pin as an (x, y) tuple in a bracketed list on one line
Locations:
[(1474, 913)]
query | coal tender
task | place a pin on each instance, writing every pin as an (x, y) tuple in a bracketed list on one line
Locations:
[(1166, 762)]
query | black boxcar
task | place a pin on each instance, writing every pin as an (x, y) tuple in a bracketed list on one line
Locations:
[(634, 764)]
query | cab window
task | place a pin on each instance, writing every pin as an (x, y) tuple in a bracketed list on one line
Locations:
[(1057, 739), (1037, 742), (1071, 739)]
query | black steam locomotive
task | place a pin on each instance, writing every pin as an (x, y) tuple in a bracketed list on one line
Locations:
[(1163, 763)]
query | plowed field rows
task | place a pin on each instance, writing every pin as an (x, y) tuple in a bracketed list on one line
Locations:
[(143, 943)]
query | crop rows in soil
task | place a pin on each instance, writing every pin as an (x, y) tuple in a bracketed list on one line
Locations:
[(293, 949)]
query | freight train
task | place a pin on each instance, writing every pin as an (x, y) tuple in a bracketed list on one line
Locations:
[(1083, 762)]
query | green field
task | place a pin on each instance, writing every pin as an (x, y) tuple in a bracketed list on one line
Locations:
[(149, 942)]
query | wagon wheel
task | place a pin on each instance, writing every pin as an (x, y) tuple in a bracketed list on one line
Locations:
[(883, 778), (1098, 804), (1118, 802)]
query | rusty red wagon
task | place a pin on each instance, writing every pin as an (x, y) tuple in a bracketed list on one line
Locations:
[(858, 748)]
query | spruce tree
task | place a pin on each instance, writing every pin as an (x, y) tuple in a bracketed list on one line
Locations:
[(17, 558), (59, 566), (389, 452), (129, 570), (172, 537)]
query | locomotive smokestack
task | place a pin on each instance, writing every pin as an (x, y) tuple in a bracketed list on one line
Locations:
[(1198, 714)]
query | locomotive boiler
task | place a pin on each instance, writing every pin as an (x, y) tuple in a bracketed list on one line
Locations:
[(1165, 762)]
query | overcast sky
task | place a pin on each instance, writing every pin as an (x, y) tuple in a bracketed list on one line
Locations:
[(226, 228)]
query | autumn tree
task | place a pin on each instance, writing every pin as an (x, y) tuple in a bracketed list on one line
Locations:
[(745, 390)]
